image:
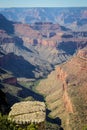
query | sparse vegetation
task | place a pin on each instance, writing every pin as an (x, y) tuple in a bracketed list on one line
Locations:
[(5, 124), (50, 126), (30, 52), (30, 84), (73, 75)]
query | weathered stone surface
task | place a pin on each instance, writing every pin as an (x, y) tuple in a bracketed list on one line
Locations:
[(28, 112), (82, 53)]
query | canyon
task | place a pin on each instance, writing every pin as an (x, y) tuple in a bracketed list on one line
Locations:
[(64, 90), (39, 46), (43, 56)]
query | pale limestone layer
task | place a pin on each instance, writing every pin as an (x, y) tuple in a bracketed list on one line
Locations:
[(28, 112)]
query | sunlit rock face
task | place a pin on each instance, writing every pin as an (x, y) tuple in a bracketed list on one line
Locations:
[(28, 112), (65, 91)]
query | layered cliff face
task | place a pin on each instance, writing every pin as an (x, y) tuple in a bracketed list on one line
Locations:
[(32, 51), (7, 77), (40, 33), (38, 50), (65, 91), (71, 17), (41, 46), (31, 112)]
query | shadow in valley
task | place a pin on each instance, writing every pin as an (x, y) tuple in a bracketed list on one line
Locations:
[(11, 99), (56, 120), (25, 92), (6, 25), (17, 65), (69, 47), (19, 43)]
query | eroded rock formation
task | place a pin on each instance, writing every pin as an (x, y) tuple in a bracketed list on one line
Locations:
[(28, 112), (66, 99), (11, 80), (65, 90)]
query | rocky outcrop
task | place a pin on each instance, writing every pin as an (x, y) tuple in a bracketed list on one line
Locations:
[(28, 112), (11, 80), (5, 38), (7, 78), (66, 99), (40, 45), (26, 30), (65, 90), (41, 33), (82, 53)]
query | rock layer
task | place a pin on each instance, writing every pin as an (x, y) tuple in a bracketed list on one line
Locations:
[(28, 112), (65, 90)]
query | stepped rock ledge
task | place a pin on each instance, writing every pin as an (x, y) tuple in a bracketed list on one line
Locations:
[(28, 112)]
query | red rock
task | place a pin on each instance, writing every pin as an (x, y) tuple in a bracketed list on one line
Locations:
[(11, 80)]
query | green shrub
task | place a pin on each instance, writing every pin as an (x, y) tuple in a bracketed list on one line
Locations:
[(85, 127), (32, 127), (5, 124)]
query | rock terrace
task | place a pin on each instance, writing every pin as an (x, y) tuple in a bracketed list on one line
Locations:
[(28, 112)]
